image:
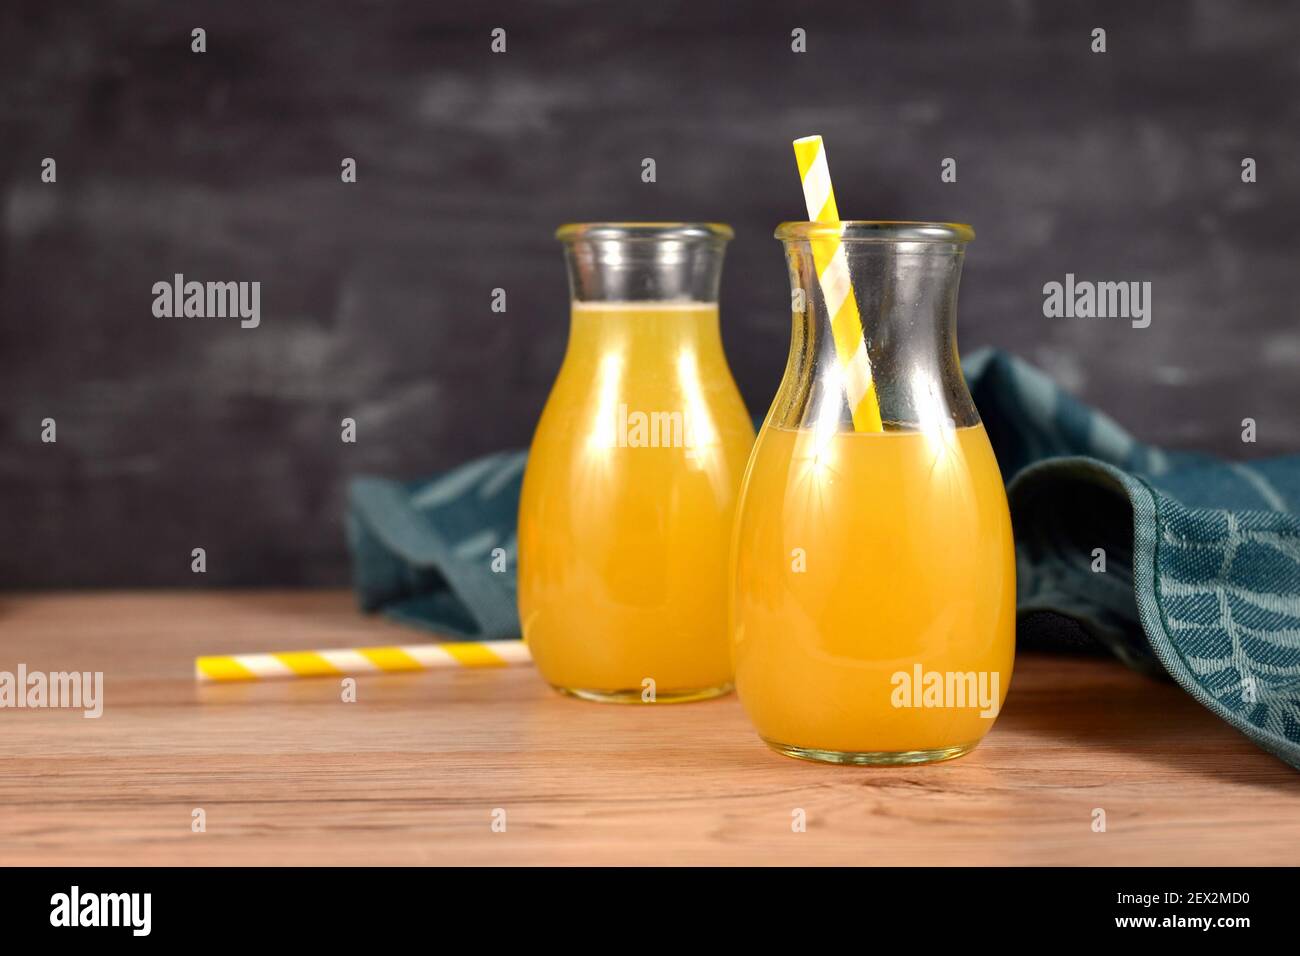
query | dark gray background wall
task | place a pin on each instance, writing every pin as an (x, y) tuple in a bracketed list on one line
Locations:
[(177, 433)]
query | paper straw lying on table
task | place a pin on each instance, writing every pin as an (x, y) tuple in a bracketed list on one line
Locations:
[(360, 660)]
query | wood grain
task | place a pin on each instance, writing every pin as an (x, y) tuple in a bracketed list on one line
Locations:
[(410, 774)]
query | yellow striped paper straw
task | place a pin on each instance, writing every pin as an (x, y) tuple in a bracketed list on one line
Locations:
[(360, 660), (837, 289)]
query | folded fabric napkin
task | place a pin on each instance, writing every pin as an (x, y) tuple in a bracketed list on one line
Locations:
[(1201, 557)]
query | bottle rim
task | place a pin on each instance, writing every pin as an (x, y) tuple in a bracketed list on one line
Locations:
[(876, 230), (645, 231)]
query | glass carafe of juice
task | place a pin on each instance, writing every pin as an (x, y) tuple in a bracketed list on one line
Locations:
[(873, 604), (626, 513)]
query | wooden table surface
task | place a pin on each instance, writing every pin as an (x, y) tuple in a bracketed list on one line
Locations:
[(412, 772)]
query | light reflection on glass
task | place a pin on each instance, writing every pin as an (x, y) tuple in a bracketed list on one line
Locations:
[(603, 437), (827, 422), (815, 461), (699, 429), (948, 472)]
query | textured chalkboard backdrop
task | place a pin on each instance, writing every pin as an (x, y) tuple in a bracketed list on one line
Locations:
[(176, 433)]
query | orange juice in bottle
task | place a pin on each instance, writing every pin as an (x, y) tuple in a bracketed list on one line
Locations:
[(873, 603), (626, 514)]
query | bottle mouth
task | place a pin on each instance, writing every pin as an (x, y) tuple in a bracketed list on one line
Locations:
[(875, 230), (646, 231)]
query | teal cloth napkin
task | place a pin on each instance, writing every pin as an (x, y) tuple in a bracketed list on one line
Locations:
[(1201, 556)]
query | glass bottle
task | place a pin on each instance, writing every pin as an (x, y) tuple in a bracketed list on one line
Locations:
[(873, 601), (629, 494)]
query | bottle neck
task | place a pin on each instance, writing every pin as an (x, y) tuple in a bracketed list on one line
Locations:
[(651, 337), (644, 262), (903, 326)]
